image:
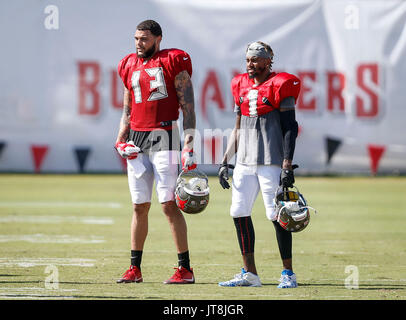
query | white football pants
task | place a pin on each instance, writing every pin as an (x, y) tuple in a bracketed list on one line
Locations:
[(247, 181), (161, 166)]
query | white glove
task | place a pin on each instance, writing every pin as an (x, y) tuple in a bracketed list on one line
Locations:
[(127, 150)]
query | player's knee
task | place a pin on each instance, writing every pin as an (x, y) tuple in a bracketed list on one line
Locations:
[(170, 209), (141, 209)]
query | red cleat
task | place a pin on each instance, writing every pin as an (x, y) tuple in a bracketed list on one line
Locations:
[(181, 276), (133, 274)]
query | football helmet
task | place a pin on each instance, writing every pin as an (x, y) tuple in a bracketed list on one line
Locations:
[(292, 210), (192, 191)]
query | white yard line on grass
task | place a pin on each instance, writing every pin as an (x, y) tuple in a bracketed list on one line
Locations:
[(342, 280), (32, 262), (38, 289), (34, 293), (55, 219), (43, 238), (60, 204)]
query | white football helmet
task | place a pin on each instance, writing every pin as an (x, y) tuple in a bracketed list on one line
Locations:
[(292, 210), (192, 191)]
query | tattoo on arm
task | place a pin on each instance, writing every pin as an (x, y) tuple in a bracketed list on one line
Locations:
[(184, 91), (124, 129)]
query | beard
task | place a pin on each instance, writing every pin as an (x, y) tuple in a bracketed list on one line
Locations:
[(147, 54), (256, 72)]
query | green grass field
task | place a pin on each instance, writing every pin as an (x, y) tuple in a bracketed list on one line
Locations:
[(75, 228)]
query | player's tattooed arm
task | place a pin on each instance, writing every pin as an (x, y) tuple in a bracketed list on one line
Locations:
[(232, 144), (124, 129), (184, 91)]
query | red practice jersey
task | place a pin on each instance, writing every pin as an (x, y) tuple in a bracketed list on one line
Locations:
[(154, 100), (255, 100)]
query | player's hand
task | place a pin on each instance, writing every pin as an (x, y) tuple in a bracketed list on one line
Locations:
[(223, 175), (127, 150), (188, 160), (287, 178)]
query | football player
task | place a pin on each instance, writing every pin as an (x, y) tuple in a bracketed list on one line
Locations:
[(264, 139), (156, 84)]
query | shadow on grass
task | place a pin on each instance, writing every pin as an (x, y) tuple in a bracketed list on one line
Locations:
[(22, 282)]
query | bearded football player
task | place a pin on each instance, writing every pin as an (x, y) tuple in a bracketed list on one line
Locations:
[(156, 84), (263, 140)]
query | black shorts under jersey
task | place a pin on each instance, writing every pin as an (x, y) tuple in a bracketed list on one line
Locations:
[(156, 140)]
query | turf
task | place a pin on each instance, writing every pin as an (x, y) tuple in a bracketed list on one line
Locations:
[(76, 227)]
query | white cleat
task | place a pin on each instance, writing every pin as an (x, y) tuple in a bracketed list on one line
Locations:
[(287, 280), (243, 279)]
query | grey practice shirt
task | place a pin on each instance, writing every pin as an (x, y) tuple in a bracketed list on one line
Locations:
[(261, 141)]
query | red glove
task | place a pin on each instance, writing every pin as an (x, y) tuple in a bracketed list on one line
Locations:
[(188, 160), (127, 150)]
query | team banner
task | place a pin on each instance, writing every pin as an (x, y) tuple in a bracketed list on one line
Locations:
[(59, 86)]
